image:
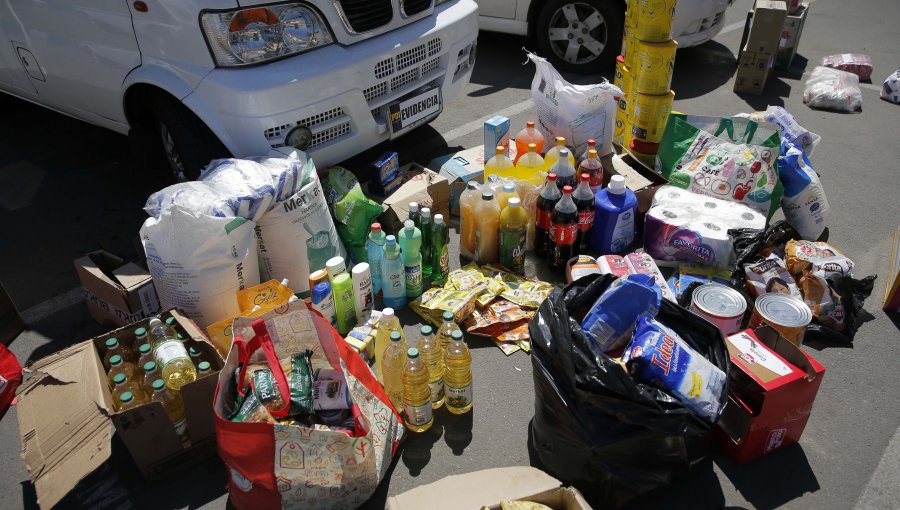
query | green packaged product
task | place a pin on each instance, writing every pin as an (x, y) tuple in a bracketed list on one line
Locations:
[(351, 208)]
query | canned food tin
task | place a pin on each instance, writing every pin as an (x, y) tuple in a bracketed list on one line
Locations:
[(620, 128), (629, 47), (789, 316), (721, 305), (653, 19), (317, 276), (652, 67), (649, 115), (623, 80)]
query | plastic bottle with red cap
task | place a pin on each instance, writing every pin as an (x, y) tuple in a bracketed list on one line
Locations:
[(563, 230)]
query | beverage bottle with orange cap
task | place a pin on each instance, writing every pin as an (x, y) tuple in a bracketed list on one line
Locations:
[(500, 164), (594, 168), (553, 154), (468, 201), (529, 134), (547, 200), (530, 165), (591, 144), (563, 230)]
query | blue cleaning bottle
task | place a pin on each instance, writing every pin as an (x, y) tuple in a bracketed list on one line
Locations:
[(615, 219), (375, 254), (393, 275)]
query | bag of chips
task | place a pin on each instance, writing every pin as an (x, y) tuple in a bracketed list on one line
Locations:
[(804, 256), (770, 275)]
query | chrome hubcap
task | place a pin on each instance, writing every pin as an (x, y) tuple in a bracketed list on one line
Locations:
[(577, 33)]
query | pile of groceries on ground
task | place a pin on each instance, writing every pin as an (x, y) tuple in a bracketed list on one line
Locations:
[(676, 307)]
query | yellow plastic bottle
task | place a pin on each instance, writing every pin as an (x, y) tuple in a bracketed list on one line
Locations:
[(530, 166), (430, 350), (553, 154), (417, 412), (386, 325), (445, 332), (468, 200), (500, 164), (458, 375), (507, 191), (488, 225), (174, 407), (394, 363), (171, 356), (122, 385)]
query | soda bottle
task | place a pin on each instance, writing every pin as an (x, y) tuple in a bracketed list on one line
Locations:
[(467, 202), (507, 191), (394, 362), (119, 366), (387, 325), (593, 167), (584, 202), (430, 351), (122, 384), (445, 332), (488, 224), (393, 277), (375, 254), (113, 347), (530, 166), (171, 356), (500, 164), (591, 144), (410, 249), (151, 373), (427, 261), (553, 155), (417, 412), (513, 228), (564, 230), (414, 215), (173, 406), (458, 375), (550, 195), (564, 170), (204, 369), (127, 400), (528, 135), (440, 254)]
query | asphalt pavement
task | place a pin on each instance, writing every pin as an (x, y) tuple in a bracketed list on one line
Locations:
[(67, 188)]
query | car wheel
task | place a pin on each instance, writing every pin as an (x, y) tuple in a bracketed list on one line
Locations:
[(582, 37), (187, 143)]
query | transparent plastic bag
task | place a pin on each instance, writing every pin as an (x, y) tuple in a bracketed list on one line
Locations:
[(890, 91), (831, 89), (247, 184)]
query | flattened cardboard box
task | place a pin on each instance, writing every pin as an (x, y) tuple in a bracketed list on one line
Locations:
[(11, 323), (487, 488), (116, 293), (66, 417), (427, 188)]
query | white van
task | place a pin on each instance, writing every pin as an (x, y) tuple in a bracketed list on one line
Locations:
[(200, 79)]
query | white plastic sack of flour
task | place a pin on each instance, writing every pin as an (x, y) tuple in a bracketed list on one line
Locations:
[(576, 112), (297, 236), (198, 262), (196, 196)]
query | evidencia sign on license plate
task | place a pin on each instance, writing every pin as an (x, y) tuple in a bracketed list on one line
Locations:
[(415, 110)]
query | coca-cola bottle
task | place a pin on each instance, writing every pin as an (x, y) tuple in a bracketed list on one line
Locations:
[(593, 167), (584, 202), (565, 172), (550, 195), (563, 230)]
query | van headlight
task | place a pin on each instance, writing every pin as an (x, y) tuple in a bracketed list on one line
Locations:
[(260, 34)]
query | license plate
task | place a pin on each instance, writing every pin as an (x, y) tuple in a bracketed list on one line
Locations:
[(415, 111)]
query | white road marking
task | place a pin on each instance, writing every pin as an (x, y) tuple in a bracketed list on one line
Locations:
[(53, 305), (883, 491)]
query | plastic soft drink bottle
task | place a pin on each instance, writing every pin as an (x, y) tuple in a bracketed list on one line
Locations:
[(122, 384), (550, 195), (458, 375), (591, 144), (394, 362), (564, 230), (427, 262), (393, 276), (415, 215), (526, 136), (513, 228), (553, 155), (500, 164), (417, 411), (151, 373), (173, 406), (488, 218), (113, 347), (387, 325), (172, 358), (615, 209), (584, 202), (440, 254), (507, 191), (375, 254), (530, 166), (410, 250), (467, 202), (445, 332), (594, 168), (564, 170), (430, 351)]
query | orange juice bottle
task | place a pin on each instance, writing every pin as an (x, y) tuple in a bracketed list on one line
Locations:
[(467, 203), (487, 244), (530, 166), (507, 191), (526, 136), (553, 154), (500, 165)]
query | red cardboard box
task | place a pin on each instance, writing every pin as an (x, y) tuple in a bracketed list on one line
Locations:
[(773, 384)]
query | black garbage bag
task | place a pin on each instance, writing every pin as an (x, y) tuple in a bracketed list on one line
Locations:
[(594, 427), (753, 245), (853, 293)]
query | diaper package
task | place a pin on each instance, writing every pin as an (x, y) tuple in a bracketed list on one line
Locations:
[(659, 357), (686, 227)]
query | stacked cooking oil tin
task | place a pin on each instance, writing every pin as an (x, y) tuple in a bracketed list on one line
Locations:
[(644, 73)]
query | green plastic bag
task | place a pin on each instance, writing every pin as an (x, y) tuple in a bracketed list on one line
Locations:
[(352, 210)]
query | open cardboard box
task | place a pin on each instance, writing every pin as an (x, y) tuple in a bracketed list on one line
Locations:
[(66, 417), (423, 186), (487, 488), (117, 293)]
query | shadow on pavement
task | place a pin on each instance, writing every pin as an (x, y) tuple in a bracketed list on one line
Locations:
[(702, 69), (698, 488), (416, 448), (774, 480)]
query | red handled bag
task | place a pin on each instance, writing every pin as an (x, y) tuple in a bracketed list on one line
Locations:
[(271, 465)]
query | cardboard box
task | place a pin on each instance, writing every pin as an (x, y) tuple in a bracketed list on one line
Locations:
[(773, 384), (765, 29), (639, 178), (790, 37), (423, 186), (11, 323), (487, 488), (66, 417), (496, 133), (753, 72), (459, 169), (116, 293), (892, 288)]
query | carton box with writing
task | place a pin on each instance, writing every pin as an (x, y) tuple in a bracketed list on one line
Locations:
[(766, 26), (790, 37), (773, 385), (459, 169), (66, 417), (116, 293), (753, 72), (426, 188)]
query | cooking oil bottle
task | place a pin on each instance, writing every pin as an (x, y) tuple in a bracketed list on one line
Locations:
[(174, 407), (119, 366), (127, 400), (172, 358), (386, 325), (417, 411), (113, 347), (394, 362), (151, 374), (122, 385), (430, 349), (145, 353), (458, 375), (445, 332)]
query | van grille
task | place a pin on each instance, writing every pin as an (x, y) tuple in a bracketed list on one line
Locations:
[(411, 7), (365, 15)]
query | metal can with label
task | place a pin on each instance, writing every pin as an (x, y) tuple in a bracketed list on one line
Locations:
[(652, 67), (649, 115), (622, 79), (788, 315), (723, 306), (653, 19)]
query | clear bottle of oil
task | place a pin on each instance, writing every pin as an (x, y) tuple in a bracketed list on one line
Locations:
[(458, 375), (117, 365), (394, 362), (445, 332), (122, 385), (430, 350), (171, 356), (174, 407), (417, 412)]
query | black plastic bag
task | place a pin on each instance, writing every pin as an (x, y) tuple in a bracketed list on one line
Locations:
[(753, 245), (853, 295), (594, 427)]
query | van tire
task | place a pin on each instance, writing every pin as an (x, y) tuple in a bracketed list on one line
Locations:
[(187, 144), (612, 14)]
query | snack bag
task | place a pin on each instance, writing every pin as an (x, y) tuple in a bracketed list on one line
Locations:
[(353, 211), (803, 256), (826, 304), (770, 275)]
